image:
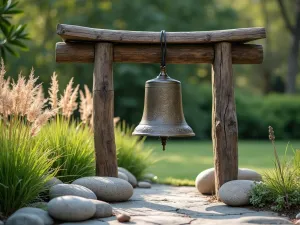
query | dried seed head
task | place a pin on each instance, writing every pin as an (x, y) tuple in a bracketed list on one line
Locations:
[(86, 106), (271, 133), (53, 90)]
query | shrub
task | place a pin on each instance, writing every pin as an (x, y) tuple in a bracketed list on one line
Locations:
[(281, 188), (283, 112), (72, 144), (131, 152)]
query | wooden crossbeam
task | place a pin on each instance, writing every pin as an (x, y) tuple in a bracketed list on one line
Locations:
[(151, 53), (79, 33)]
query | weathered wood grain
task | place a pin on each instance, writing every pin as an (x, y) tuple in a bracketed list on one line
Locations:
[(224, 121), (103, 111), (151, 53), (79, 33)]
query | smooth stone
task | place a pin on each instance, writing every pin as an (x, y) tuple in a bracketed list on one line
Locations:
[(1, 222), (71, 208), (236, 192), (24, 219), (103, 209), (263, 220), (205, 181), (123, 218), (122, 175), (144, 184), (52, 182), (150, 177), (109, 189), (40, 213), (71, 189), (248, 174), (131, 178), (298, 216)]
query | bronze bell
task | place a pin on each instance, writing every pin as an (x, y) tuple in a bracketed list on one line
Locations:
[(163, 114)]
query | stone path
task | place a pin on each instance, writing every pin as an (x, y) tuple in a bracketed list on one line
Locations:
[(183, 205)]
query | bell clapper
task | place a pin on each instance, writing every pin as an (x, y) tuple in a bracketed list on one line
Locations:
[(164, 142)]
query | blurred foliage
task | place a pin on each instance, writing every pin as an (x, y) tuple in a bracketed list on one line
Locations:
[(131, 152), (129, 79), (12, 35)]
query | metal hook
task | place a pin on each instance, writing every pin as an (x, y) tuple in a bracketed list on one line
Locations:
[(163, 46)]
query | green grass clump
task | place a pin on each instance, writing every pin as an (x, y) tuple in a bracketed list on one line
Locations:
[(177, 182), (73, 147), (25, 166), (131, 152), (280, 189)]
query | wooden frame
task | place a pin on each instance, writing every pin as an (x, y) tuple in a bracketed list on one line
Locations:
[(219, 48)]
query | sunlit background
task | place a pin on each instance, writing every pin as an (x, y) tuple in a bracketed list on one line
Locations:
[(263, 95)]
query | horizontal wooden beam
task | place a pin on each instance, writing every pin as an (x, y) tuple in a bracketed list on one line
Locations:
[(146, 53), (80, 34)]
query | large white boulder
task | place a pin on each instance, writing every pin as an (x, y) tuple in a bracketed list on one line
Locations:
[(109, 189), (71, 208), (71, 189), (236, 192), (205, 181)]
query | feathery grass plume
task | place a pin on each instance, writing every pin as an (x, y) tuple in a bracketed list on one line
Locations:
[(53, 91), (67, 101), (29, 90), (72, 104), (17, 95), (6, 101), (86, 106), (40, 121), (37, 104)]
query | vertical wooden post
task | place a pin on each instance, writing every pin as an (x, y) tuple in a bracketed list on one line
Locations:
[(224, 121), (103, 114)]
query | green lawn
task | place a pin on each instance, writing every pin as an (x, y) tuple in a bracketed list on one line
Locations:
[(186, 159)]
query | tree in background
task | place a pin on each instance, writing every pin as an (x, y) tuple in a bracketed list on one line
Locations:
[(12, 35), (294, 30)]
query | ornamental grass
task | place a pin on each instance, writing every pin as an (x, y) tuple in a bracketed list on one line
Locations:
[(25, 162), (280, 189)]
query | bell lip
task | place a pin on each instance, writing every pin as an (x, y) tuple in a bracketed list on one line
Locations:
[(143, 130), (163, 135)]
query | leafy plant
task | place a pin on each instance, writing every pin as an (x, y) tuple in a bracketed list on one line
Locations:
[(25, 165), (12, 35), (131, 152), (72, 145), (281, 188)]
